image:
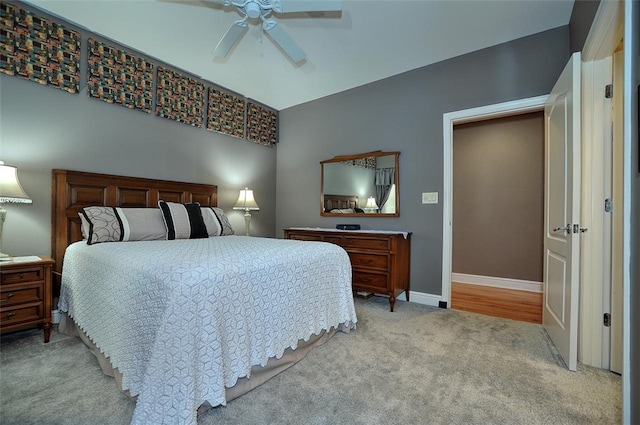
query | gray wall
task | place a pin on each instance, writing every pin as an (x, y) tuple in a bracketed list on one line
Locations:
[(582, 16), (404, 113), (43, 128), (498, 192)]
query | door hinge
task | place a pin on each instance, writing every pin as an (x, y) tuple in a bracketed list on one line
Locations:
[(608, 205), (607, 319), (608, 91)]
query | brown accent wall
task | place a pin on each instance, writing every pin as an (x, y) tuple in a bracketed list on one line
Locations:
[(498, 176)]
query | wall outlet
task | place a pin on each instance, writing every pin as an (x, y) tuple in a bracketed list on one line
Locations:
[(430, 197)]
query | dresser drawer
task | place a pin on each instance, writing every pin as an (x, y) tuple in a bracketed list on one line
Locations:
[(366, 244), (372, 281), (305, 237), (23, 314), (20, 295), (21, 275), (377, 261), (337, 240)]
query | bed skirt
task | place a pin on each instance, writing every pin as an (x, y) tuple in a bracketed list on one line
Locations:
[(259, 374)]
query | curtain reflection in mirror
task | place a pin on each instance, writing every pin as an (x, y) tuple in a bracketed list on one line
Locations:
[(384, 180)]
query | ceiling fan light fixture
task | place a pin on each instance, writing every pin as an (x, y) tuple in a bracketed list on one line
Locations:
[(262, 9), (253, 10)]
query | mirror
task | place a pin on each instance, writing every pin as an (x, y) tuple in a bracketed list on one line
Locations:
[(359, 185)]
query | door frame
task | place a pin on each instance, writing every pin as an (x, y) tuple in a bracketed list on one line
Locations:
[(596, 275), (603, 38), (449, 119)]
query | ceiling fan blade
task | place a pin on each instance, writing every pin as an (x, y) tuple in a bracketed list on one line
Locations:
[(284, 40), (230, 38), (286, 6)]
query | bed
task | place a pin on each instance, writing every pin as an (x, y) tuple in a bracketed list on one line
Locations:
[(347, 203), (188, 323)]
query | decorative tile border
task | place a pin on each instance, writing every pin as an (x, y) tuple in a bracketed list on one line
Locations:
[(262, 125), (116, 76), (7, 38), (368, 162), (44, 51), (225, 113), (38, 49), (179, 97)]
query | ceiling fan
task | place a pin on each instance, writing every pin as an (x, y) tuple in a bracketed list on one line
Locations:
[(262, 9)]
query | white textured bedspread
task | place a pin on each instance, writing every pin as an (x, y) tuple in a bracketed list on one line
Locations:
[(183, 319)]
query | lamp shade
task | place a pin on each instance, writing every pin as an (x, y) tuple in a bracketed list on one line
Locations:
[(371, 203), (10, 188), (246, 201)]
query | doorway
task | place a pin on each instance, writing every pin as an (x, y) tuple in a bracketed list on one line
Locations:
[(498, 216), (450, 119)]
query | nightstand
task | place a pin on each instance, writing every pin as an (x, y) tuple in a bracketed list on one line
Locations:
[(25, 294)]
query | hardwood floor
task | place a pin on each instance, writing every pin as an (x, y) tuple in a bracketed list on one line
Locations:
[(498, 302)]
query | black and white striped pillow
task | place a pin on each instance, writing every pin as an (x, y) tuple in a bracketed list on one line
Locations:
[(216, 222), (183, 221)]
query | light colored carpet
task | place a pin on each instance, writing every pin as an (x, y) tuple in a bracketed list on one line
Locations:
[(417, 365)]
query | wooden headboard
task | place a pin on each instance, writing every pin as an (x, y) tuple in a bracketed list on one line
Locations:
[(339, 201), (73, 190)]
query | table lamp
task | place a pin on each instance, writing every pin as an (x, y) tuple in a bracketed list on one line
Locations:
[(247, 203), (10, 192)]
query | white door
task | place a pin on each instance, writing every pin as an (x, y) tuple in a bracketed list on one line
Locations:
[(562, 213), (617, 218)]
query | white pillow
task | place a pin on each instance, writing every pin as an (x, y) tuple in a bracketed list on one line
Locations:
[(114, 224), (343, 210), (216, 221)]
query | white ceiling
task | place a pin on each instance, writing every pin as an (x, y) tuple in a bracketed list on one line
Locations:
[(367, 41)]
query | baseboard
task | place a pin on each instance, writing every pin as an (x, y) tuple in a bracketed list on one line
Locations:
[(497, 282), (421, 298)]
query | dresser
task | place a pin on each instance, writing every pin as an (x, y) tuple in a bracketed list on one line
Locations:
[(380, 260), (25, 294)]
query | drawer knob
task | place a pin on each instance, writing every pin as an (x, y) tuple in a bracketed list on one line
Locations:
[(10, 295), (21, 275), (10, 315), (365, 261)]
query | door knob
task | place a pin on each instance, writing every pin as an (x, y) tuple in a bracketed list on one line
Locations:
[(567, 228)]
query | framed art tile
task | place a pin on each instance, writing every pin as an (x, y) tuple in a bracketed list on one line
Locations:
[(179, 97), (262, 125), (117, 76), (38, 49), (7, 38), (225, 113)]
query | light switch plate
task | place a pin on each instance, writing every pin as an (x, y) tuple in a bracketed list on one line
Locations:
[(430, 197)]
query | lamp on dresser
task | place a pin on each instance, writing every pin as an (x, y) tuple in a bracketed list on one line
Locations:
[(10, 192), (247, 203), (371, 205)]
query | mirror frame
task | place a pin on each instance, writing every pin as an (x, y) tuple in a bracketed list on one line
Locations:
[(342, 158)]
